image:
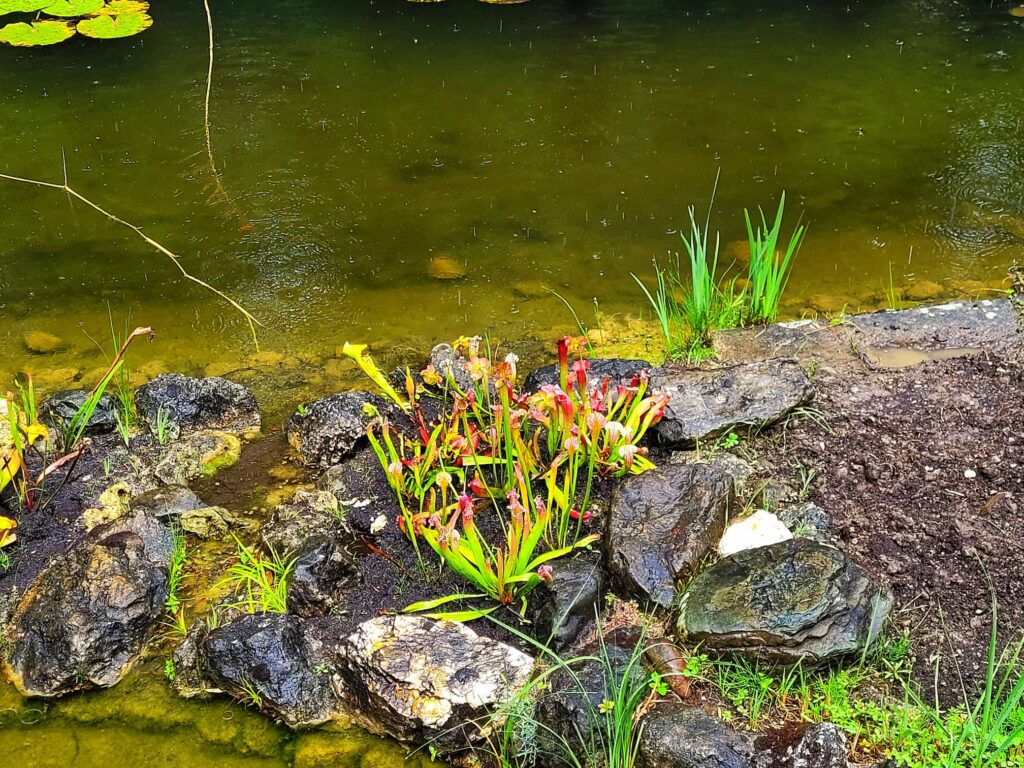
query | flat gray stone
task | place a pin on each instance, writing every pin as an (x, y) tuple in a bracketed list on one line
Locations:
[(793, 601), (706, 404)]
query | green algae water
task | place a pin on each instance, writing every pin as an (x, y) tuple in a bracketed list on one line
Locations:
[(406, 173)]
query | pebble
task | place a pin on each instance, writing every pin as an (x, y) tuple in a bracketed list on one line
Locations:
[(970, 474)]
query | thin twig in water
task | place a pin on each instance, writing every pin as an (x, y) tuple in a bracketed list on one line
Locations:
[(66, 187), (206, 115)]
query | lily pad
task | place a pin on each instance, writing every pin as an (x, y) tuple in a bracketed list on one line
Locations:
[(29, 34), (73, 8), (117, 7), (121, 25), (22, 6)]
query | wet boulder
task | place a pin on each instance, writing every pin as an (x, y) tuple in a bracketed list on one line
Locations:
[(708, 403), (275, 662), (661, 524), (330, 429), (676, 736), (60, 409), (425, 681), (187, 404), (793, 601), (807, 520), (84, 620), (562, 610), (621, 371), (323, 569)]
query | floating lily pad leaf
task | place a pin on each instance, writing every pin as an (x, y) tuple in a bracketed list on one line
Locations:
[(23, 6), (117, 7), (121, 25), (504, 2), (73, 8), (34, 33)]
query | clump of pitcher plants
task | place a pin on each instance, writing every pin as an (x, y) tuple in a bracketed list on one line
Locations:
[(531, 458)]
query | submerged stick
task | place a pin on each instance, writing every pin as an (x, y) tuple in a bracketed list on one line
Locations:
[(65, 187), (206, 115)]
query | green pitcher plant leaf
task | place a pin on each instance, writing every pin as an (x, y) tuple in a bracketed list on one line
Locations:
[(30, 34)]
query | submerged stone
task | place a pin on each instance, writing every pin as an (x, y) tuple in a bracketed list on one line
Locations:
[(43, 343), (794, 601), (708, 403), (661, 524), (167, 502), (84, 620), (429, 682), (187, 404)]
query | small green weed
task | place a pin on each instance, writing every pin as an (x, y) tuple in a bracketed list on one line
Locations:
[(260, 578)]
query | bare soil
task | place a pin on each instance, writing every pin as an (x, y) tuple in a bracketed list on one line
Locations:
[(922, 470)]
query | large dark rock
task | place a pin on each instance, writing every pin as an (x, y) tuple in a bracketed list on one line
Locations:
[(569, 710), (323, 569), (59, 410), (190, 404), (330, 429), (428, 682), (275, 657), (793, 601), (84, 620), (661, 524), (708, 403), (563, 610), (676, 736), (621, 372)]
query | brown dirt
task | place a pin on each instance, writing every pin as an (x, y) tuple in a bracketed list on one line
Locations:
[(922, 470)]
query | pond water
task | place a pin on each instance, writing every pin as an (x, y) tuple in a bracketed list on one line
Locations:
[(365, 147)]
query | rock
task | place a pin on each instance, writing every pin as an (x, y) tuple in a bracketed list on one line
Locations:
[(822, 745), (111, 504), (208, 522), (322, 570), (43, 343), (706, 404), (426, 681), (445, 268), (759, 529), (563, 610), (676, 736), (451, 365), (167, 502), (925, 290), (330, 429), (52, 378), (191, 405), (200, 454), (308, 514), (794, 601), (807, 520), (274, 657), (661, 524), (621, 372), (84, 620), (60, 408), (570, 711)]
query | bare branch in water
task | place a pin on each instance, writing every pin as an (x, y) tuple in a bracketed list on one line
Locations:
[(217, 181), (65, 187)]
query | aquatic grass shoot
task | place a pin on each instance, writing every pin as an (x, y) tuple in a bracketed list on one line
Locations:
[(176, 575), (260, 579), (769, 270)]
